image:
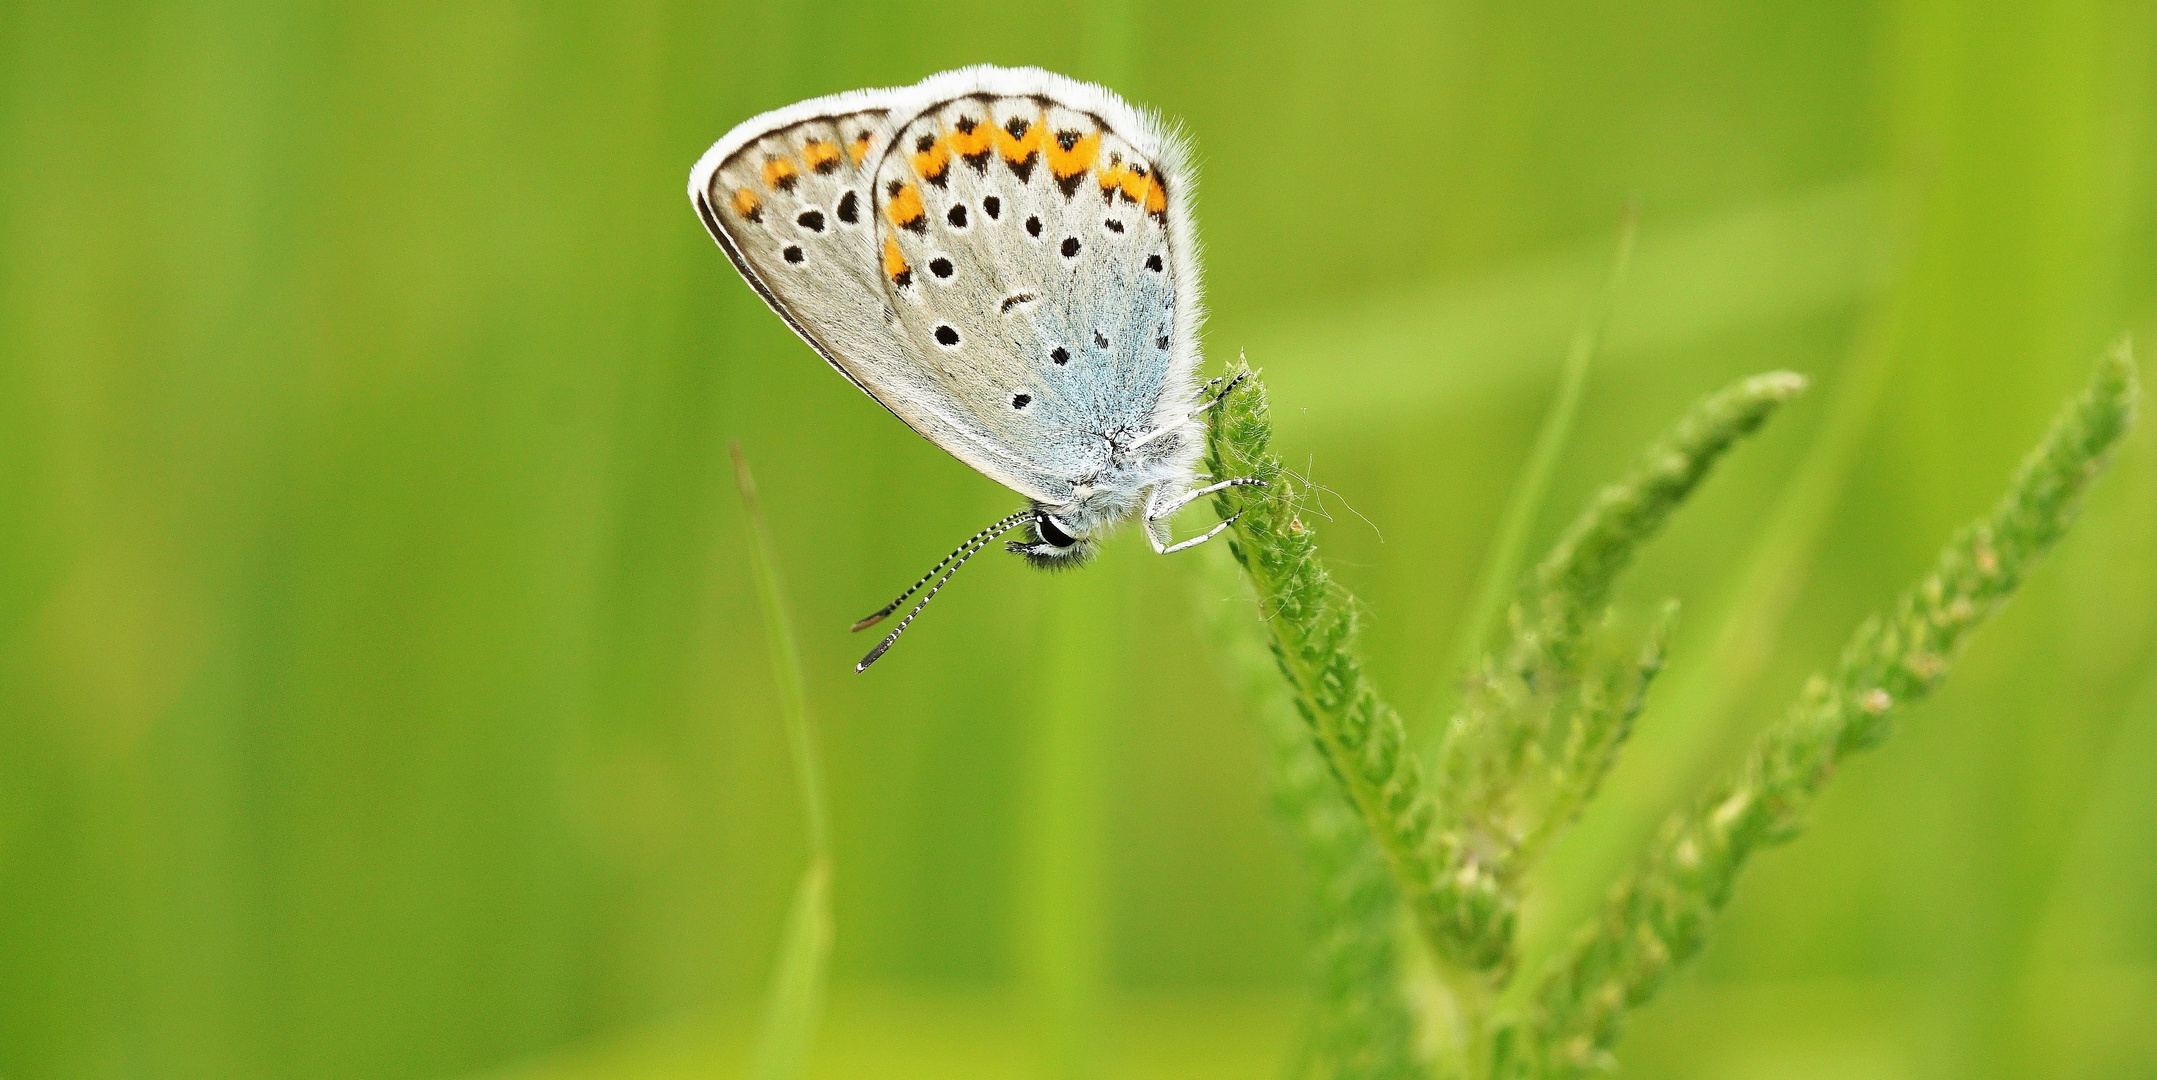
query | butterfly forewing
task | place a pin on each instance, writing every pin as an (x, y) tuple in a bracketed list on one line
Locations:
[(792, 206)]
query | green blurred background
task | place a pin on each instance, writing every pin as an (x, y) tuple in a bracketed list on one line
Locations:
[(382, 687)]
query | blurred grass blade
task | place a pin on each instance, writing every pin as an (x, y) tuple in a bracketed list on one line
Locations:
[(797, 986), (1361, 1027), (1501, 571), (1064, 898), (797, 983), (1366, 361), (1657, 918)]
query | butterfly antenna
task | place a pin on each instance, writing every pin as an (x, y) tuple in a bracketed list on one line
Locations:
[(983, 536), (955, 560)]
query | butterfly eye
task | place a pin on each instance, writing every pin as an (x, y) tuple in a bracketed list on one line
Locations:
[(1052, 535)]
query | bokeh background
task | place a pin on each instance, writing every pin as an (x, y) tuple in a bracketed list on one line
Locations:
[(382, 688)]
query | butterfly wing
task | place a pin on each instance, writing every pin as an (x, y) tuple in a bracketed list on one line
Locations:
[(1015, 278)]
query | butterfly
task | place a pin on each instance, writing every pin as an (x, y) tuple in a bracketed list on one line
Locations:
[(1003, 258)]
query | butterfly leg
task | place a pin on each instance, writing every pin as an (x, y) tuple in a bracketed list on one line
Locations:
[(1157, 515), (1156, 433)]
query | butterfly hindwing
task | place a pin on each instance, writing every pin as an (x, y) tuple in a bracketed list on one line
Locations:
[(1028, 255)]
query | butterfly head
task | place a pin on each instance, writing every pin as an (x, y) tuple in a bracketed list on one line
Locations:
[(1053, 544)]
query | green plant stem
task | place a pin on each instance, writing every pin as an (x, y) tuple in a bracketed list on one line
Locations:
[(1707, 691), (1501, 571), (1311, 626), (1594, 743), (1657, 917), (797, 987), (1529, 698), (1361, 1026)]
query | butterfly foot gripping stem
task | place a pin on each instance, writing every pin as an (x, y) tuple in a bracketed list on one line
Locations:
[(1157, 517), (1234, 381)]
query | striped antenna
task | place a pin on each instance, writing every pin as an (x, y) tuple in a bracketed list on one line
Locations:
[(956, 559)]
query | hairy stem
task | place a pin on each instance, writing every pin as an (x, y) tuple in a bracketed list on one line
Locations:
[(1657, 917)]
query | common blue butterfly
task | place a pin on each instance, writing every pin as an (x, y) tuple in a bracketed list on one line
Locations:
[(1004, 259)]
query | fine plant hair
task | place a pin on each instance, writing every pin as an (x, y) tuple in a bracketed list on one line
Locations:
[(1421, 874)]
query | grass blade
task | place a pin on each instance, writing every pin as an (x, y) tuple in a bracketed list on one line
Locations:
[(797, 986), (1064, 949), (797, 982), (1501, 572)]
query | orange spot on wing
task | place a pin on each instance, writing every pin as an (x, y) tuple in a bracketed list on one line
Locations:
[(1079, 158), (973, 142), (1017, 149), (747, 203), (1113, 178), (931, 163), (1135, 185), (1156, 196), (895, 266), (860, 148), (779, 172), (904, 209), (821, 156)]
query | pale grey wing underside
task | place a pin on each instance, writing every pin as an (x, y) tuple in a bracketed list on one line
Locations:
[(1032, 269), (999, 257), (791, 206)]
